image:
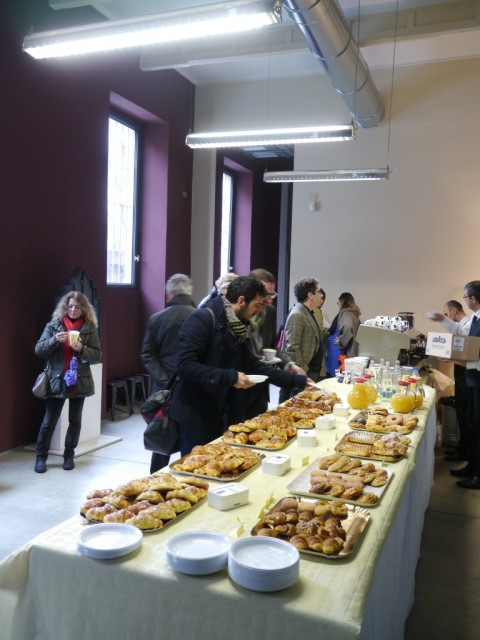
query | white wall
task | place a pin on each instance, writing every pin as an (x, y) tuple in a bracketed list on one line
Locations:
[(406, 244)]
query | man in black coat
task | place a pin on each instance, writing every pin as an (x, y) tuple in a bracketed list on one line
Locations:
[(214, 358), (159, 350)]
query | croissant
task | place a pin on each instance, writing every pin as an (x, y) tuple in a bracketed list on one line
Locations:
[(331, 546), (98, 493), (186, 494), (136, 507), (315, 543), (117, 500), (132, 488), (161, 512), (118, 516), (196, 482), (163, 483), (152, 496), (299, 542), (99, 513), (89, 504), (178, 504), (144, 521)]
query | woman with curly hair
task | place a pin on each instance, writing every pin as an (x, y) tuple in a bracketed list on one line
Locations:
[(69, 344)]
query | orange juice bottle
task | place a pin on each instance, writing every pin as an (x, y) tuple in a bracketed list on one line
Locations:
[(370, 382)]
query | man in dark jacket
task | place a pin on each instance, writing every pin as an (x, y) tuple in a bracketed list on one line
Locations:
[(214, 357), (159, 350)]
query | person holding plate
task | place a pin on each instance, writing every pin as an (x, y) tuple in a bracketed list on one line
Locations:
[(69, 344)]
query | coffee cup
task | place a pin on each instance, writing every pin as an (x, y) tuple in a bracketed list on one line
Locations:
[(73, 337), (269, 354)]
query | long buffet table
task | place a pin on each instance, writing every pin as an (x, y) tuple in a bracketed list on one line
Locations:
[(48, 590)]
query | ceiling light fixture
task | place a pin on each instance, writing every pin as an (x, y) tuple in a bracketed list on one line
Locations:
[(270, 137), (326, 175), (185, 24)]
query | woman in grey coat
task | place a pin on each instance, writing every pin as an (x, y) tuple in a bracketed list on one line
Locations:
[(69, 344), (348, 323)]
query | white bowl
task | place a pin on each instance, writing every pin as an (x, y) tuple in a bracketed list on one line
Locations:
[(257, 378), (263, 564), (197, 553), (109, 540)]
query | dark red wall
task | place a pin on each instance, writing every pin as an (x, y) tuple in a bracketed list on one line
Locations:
[(53, 168)]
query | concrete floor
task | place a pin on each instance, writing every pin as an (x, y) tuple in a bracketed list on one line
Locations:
[(447, 593)]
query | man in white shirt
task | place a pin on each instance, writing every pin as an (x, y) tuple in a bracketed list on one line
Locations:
[(471, 296)]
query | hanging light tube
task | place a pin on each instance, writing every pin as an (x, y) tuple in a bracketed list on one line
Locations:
[(185, 24), (327, 175), (270, 137)]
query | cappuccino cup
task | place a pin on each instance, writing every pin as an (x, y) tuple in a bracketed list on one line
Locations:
[(269, 354)]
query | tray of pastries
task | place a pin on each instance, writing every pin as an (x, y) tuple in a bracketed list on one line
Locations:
[(218, 461), (322, 528), (150, 503), (380, 420), (355, 482), (390, 447)]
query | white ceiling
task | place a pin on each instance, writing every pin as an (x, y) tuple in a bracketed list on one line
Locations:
[(427, 31)]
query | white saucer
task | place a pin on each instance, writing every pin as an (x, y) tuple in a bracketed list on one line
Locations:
[(257, 379), (109, 540), (274, 360)]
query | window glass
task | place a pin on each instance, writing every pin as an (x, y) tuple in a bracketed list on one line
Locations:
[(121, 201), (227, 215)]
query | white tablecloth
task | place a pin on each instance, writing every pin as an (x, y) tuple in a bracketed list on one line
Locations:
[(49, 591)]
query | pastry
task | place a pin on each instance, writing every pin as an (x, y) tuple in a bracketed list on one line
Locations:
[(179, 505), (144, 521), (89, 504), (152, 496), (118, 516)]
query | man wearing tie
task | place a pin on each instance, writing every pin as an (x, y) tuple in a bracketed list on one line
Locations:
[(471, 472)]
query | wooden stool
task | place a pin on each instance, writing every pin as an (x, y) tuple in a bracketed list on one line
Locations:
[(114, 385), (134, 380)]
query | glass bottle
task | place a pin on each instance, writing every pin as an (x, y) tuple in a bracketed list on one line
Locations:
[(372, 385), (360, 395), (417, 388), (403, 400), (380, 374)]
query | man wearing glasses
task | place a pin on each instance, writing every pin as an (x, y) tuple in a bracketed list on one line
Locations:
[(471, 472), (262, 334)]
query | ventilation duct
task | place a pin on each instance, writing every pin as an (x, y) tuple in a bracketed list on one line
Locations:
[(330, 39)]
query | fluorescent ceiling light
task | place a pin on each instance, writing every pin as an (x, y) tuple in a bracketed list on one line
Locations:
[(269, 137), (185, 24), (327, 175)]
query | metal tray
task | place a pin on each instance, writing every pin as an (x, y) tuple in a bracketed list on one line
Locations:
[(370, 456), (371, 428), (165, 525), (301, 486), (354, 525), (255, 446), (224, 477)]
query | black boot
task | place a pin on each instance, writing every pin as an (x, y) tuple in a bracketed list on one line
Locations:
[(68, 464), (40, 465)]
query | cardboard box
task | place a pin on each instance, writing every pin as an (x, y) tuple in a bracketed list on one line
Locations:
[(451, 347)]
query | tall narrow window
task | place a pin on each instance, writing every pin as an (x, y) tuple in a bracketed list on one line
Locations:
[(227, 215), (121, 201)]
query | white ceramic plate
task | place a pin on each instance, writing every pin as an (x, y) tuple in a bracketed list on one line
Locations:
[(257, 379), (109, 540), (197, 552)]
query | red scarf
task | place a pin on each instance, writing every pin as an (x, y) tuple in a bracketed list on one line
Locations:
[(68, 353)]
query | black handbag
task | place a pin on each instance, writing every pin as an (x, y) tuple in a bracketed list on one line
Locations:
[(41, 388), (161, 434)]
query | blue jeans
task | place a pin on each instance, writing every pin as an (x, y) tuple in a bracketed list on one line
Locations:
[(52, 414)]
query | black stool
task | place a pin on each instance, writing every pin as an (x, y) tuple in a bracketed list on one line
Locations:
[(114, 385), (148, 383), (134, 380)]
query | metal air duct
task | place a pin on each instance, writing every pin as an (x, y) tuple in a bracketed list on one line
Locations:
[(330, 39)]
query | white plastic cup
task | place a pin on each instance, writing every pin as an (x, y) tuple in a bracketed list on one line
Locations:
[(73, 337)]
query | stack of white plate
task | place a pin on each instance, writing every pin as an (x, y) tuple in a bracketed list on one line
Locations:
[(197, 553), (109, 540), (263, 564)]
